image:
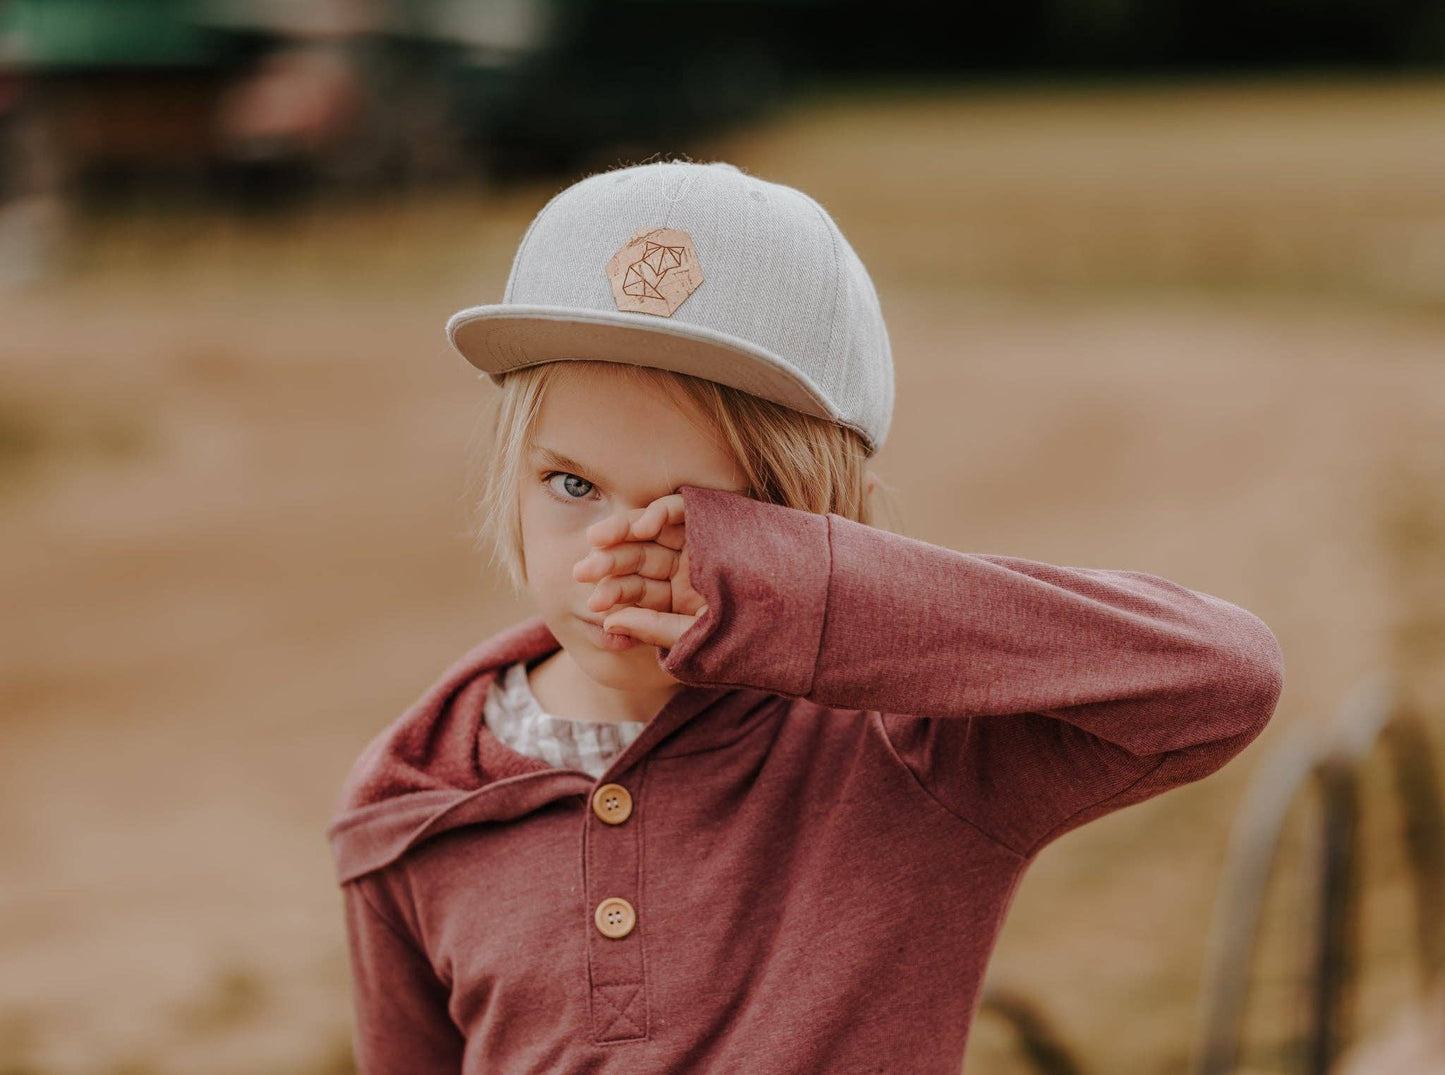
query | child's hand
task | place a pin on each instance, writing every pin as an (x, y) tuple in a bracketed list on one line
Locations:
[(640, 560)]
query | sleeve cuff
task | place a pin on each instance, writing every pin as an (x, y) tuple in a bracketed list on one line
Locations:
[(763, 569)]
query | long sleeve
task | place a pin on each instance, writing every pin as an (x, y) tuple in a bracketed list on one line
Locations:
[(402, 1023), (1027, 698)]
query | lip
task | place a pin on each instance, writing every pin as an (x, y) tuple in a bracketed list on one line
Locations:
[(607, 639)]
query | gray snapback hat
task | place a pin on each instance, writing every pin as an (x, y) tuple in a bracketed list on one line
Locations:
[(701, 269)]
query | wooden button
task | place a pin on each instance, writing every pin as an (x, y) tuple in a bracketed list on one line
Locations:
[(612, 803), (615, 917)]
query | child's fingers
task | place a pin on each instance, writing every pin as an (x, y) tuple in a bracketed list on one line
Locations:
[(612, 529), (628, 558), (649, 626), (645, 524), (666, 512), (662, 512), (673, 536), (630, 590)]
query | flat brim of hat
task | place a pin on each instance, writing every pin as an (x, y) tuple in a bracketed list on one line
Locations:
[(509, 336)]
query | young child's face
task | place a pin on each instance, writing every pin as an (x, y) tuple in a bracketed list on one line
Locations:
[(625, 444)]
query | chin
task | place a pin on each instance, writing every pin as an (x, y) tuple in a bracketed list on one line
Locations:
[(632, 669)]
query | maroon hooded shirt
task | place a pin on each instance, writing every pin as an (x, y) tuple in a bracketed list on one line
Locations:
[(818, 836)]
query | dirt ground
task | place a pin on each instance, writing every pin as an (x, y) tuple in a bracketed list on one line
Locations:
[(1198, 332)]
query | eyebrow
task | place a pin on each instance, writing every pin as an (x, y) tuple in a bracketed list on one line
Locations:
[(553, 458)]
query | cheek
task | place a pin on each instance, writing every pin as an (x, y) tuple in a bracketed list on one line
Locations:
[(554, 538)]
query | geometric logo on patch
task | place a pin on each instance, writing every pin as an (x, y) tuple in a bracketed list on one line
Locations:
[(654, 272)]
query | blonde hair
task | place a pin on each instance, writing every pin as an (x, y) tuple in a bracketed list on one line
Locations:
[(785, 456)]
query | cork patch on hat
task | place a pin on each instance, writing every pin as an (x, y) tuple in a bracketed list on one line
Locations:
[(654, 272)]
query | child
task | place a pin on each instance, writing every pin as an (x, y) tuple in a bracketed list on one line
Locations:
[(755, 788)]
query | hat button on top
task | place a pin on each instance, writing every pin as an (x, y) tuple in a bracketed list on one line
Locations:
[(612, 803), (615, 917)]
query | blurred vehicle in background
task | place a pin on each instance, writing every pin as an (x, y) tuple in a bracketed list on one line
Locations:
[(110, 83), (256, 102), (237, 94)]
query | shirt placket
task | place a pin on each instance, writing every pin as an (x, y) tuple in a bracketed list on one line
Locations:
[(615, 914)]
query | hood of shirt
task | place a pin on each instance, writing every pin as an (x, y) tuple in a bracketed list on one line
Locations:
[(438, 766)]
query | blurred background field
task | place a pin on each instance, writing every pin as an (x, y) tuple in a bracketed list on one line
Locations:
[(1190, 322)]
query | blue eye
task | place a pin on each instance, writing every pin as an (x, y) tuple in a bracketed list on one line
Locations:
[(571, 485)]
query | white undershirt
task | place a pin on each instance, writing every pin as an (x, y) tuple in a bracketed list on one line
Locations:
[(516, 717)]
